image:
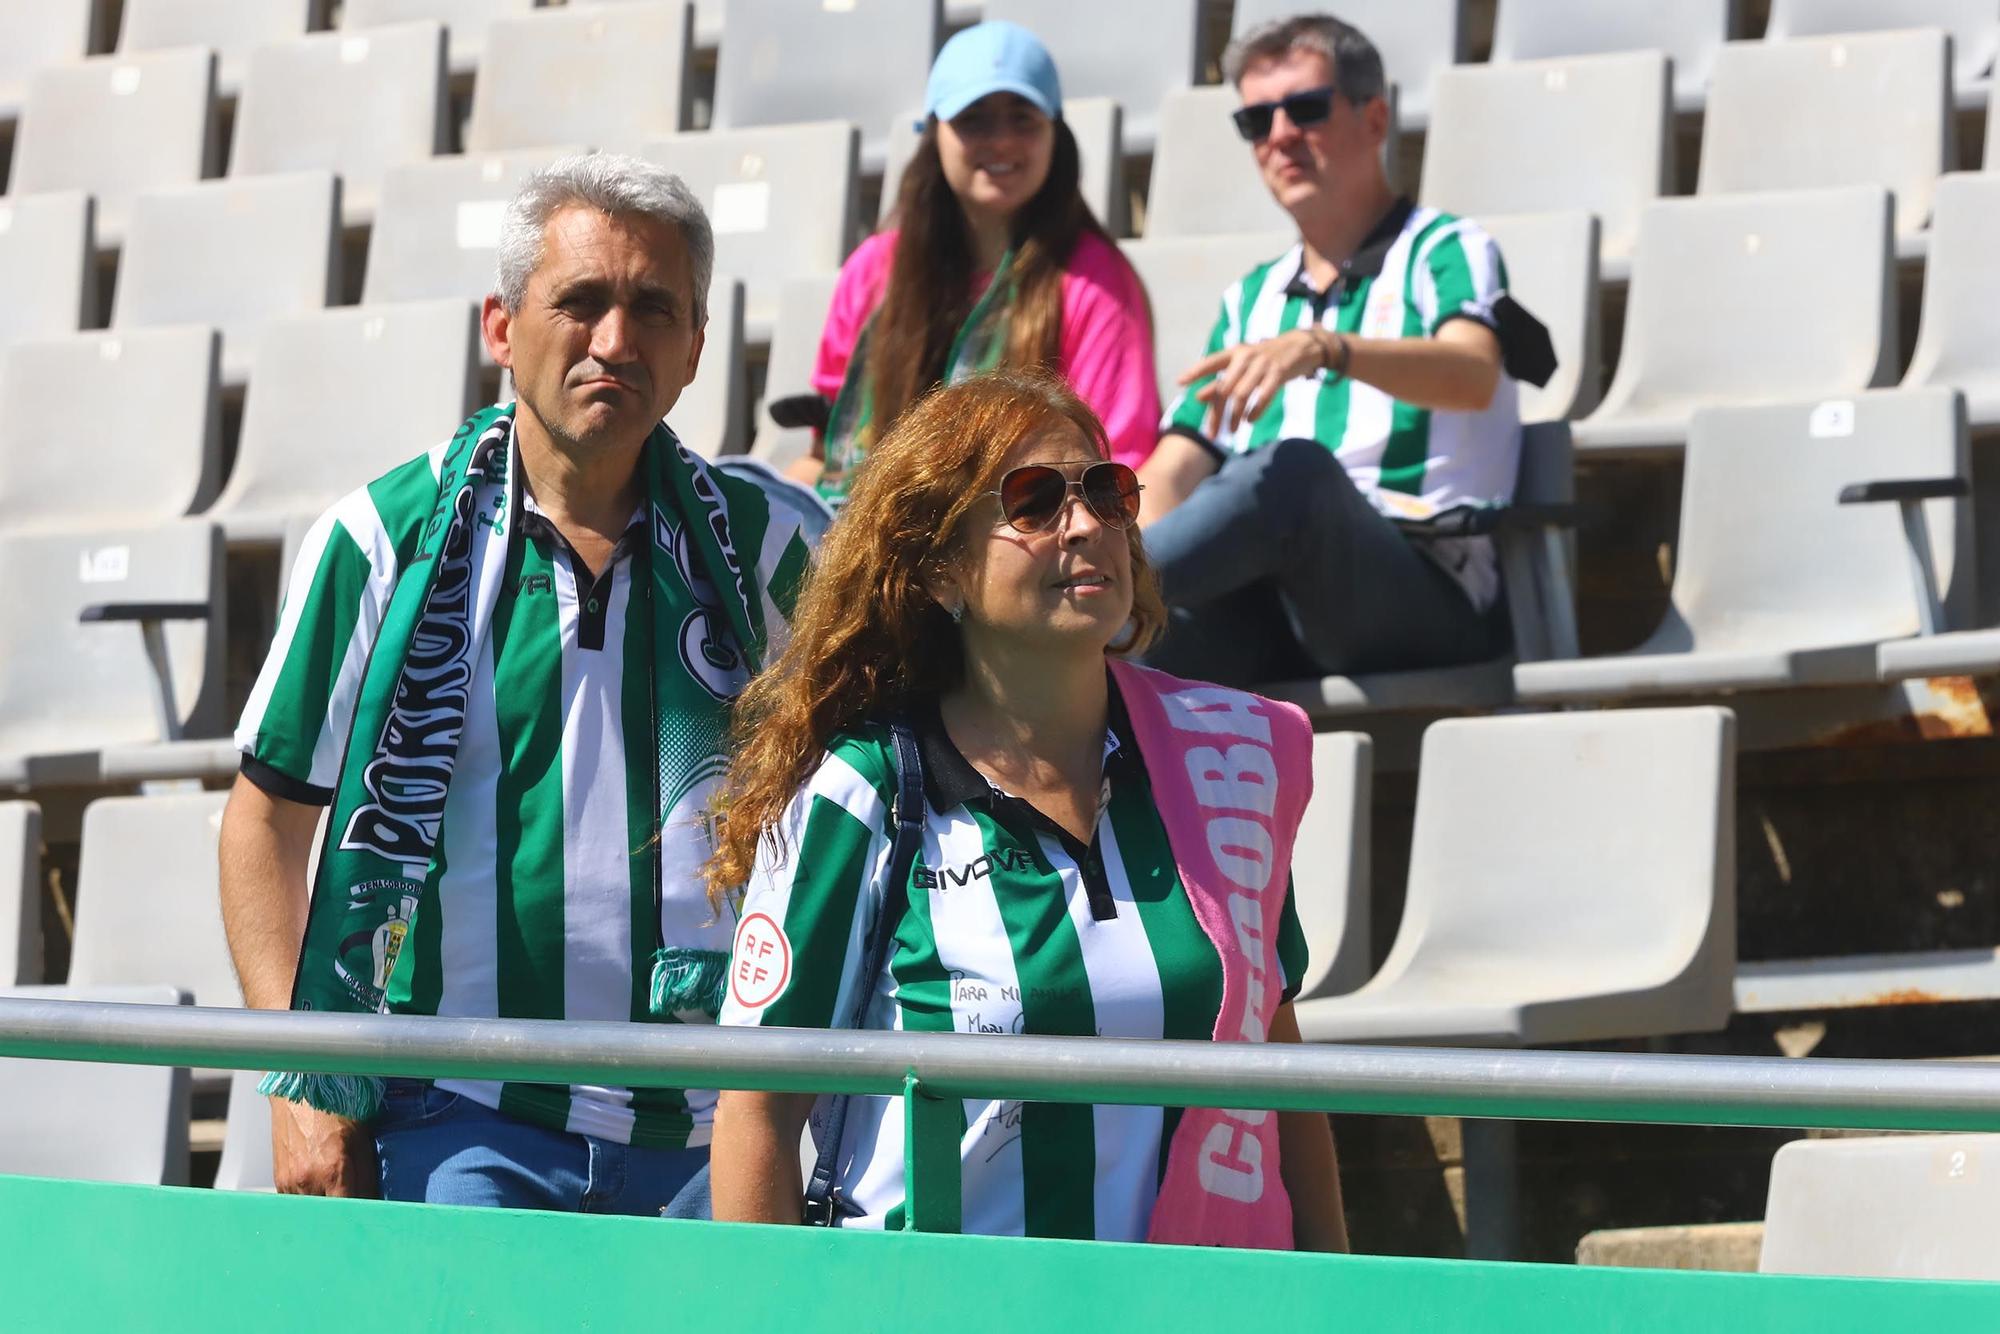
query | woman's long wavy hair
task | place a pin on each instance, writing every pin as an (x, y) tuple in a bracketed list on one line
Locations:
[(866, 635), (929, 294)]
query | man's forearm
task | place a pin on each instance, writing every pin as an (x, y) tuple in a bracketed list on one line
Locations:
[(1445, 374), (263, 853)]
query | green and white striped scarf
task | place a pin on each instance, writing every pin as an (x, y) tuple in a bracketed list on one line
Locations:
[(389, 801)]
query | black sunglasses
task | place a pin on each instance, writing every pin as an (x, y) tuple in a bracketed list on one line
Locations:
[(1305, 108), (1033, 497)]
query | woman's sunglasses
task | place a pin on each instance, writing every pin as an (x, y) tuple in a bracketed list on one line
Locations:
[(1033, 497), (1302, 109)]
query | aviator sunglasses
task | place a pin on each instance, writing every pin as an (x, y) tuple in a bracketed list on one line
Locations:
[(1305, 108), (1034, 496)]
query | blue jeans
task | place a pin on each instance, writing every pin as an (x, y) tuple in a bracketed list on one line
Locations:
[(1278, 567), (443, 1148)]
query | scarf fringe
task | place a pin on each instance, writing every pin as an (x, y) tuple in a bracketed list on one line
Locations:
[(688, 979), (356, 1097)]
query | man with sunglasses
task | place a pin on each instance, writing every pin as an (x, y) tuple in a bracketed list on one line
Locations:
[(1352, 381)]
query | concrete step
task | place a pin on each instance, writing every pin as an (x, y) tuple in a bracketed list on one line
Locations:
[(1725, 1246)]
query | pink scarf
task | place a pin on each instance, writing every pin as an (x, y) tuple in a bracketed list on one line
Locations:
[(1231, 774)]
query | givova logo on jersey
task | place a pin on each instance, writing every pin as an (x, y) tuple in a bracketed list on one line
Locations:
[(981, 867)]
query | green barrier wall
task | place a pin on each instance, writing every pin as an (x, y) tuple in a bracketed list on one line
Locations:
[(82, 1257)]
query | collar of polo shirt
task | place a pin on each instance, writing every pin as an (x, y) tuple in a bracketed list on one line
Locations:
[(1366, 261)]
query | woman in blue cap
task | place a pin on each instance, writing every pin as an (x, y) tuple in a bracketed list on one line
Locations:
[(993, 258)]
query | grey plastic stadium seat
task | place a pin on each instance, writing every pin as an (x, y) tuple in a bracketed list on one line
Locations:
[(709, 418), (780, 199), (1776, 584), (34, 33), (309, 437), (232, 28), (1205, 179), (1730, 303), (1580, 132), (1871, 108), (148, 910), (91, 1120), (1132, 51), (1552, 269), (234, 254), (48, 265), (354, 103), (20, 893), (246, 1137), (584, 74), (1572, 879), (1330, 865), (795, 335), (67, 688), (465, 21), (113, 126), (107, 429), (1096, 123), (1185, 278), (1689, 32), (787, 61), (1974, 26), (1897, 1206), (437, 227), (1958, 341), (1418, 40)]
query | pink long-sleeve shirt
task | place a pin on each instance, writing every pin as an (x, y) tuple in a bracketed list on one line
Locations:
[(1107, 336)]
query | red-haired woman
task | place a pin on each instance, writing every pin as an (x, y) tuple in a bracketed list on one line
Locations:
[(994, 259), (975, 597)]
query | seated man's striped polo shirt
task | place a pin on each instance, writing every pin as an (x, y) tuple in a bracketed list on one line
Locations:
[(1416, 272), (1013, 926), (541, 901)]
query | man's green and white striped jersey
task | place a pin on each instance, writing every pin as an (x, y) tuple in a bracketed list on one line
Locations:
[(540, 903), (1013, 927), (1417, 271)]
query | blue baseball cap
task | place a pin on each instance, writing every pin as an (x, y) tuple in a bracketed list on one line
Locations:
[(992, 57)]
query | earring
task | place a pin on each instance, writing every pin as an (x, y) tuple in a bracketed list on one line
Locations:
[(956, 613)]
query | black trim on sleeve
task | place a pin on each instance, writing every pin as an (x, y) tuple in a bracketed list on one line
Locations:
[(282, 785), (1214, 451)]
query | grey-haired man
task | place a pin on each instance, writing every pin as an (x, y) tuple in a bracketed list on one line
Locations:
[(506, 667)]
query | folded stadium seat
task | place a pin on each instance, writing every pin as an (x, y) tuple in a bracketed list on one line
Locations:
[(787, 61), (353, 103), (1974, 26), (1730, 304), (1958, 339), (1572, 879), (1579, 132), (70, 687), (1330, 865), (795, 334), (308, 438), (712, 416), (1094, 121), (465, 21), (1870, 108), (20, 893), (48, 265), (234, 254), (110, 429), (587, 74), (113, 126), (233, 28), (1776, 583), (246, 1137), (1205, 180), (1892, 1206), (1689, 32), (1552, 269), (1134, 52), (48, 32), (1418, 40), (91, 1120), (781, 201)]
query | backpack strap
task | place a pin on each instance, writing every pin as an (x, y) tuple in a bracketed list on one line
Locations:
[(823, 1204)]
